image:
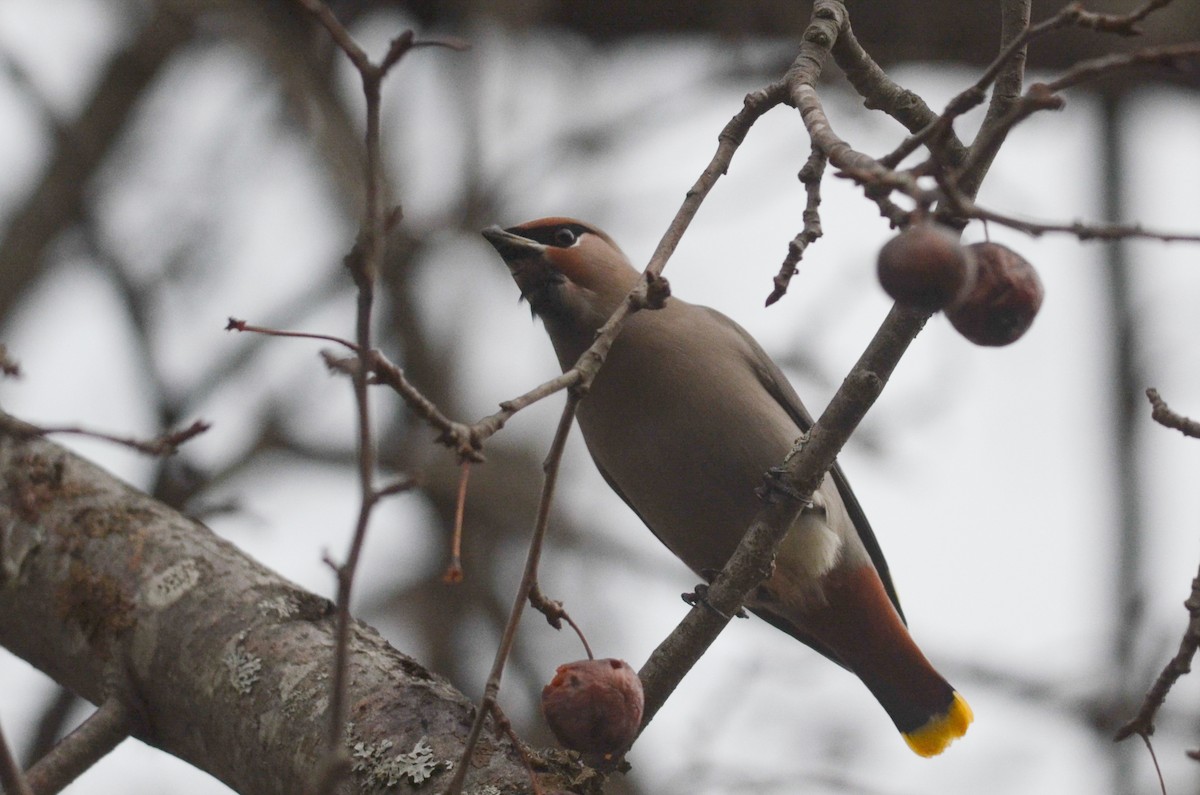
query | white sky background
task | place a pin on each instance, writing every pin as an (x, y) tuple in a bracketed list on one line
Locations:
[(987, 473)]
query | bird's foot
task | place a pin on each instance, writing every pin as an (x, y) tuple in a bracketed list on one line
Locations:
[(700, 597), (774, 484)]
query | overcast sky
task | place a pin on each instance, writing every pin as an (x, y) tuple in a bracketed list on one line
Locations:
[(988, 474)]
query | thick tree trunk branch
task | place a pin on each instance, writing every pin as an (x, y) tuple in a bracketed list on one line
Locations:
[(221, 662)]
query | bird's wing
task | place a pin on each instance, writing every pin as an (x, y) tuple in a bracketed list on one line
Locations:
[(777, 384), (775, 620)]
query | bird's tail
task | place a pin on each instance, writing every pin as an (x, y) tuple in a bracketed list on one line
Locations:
[(858, 624), (932, 737)]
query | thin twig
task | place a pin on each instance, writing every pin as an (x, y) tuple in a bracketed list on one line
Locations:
[(1121, 24), (340, 35), (800, 86), (462, 438), (1043, 96), (555, 614), (810, 176), (880, 92), (363, 263), (505, 725), (164, 445), (1169, 55), (454, 571), (235, 324), (1007, 72), (652, 290), (528, 580), (1163, 415), (397, 486), (1082, 230), (1162, 782), (489, 425), (1143, 722)]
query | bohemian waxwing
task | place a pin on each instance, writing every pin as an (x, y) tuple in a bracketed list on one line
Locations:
[(683, 420)]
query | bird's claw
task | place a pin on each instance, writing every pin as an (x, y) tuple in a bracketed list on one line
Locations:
[(700, 597), (773, 484)]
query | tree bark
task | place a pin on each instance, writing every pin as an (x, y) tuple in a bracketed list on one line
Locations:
[(224, 663)]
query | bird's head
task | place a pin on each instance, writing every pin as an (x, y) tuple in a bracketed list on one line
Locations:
[(573, 275)]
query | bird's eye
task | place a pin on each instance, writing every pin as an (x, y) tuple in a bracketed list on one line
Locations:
[(564, 237)]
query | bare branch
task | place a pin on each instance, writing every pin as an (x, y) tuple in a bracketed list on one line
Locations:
[(1121, 24), (454, 571), (164, 445), (96, 737), (965, 208), (234, 324), (1008, 72), (1170, 56), (1163, 415), (555, 614), (1143, 723), (491, 690), (880, 92), (463, 439), (810, 177), (486, 427), (339, 34)]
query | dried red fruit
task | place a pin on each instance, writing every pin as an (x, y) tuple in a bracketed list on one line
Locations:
[(594, 707), (925, 267), (1005, 299)]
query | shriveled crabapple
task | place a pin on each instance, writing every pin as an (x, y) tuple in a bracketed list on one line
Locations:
[(594, 707), (1005, 299), (925, 267)]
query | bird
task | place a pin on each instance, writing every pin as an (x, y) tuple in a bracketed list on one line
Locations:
[(684, 418)]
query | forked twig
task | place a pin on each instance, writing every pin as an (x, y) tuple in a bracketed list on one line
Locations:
[(363, 263), (528, 581)]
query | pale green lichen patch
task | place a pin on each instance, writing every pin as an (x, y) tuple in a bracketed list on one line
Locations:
[(375, 763), (243, 666), (280, 606)]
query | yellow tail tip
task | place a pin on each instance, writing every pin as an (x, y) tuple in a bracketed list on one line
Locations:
[(941, 730)]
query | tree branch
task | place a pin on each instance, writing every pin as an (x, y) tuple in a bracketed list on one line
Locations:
[(220, 662), (1163, 415), (95, 738)]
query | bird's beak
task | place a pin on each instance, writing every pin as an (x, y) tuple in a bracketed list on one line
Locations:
[(531, 270), (511, 246)]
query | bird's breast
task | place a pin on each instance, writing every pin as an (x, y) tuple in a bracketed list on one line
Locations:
[(684, 441)]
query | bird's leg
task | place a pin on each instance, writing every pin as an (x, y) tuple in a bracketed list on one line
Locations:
[(774, 484), (700, 596)]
